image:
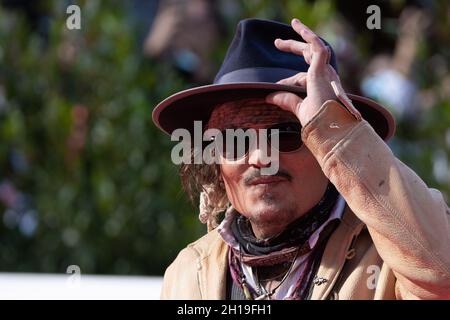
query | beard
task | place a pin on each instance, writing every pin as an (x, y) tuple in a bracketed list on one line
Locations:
[(271, 209)]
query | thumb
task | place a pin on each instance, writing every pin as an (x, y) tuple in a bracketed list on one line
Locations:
[(285, 100)]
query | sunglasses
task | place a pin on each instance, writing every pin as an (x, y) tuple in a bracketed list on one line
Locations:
[(233, 146)]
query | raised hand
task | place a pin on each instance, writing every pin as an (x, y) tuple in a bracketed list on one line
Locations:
[(318, 80)]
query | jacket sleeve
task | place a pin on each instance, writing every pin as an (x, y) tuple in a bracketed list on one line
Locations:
[(408, 222)]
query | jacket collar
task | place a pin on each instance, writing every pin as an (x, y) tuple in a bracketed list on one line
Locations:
[(334, 256)]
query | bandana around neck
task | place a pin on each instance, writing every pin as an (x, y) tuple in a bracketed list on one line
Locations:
[(295, 235)]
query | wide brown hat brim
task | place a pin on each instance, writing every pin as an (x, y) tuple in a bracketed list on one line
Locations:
[(183, 108)]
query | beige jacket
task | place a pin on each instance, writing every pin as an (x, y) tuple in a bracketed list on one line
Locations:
[(394, 238)]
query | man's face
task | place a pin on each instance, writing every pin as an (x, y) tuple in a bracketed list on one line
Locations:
[(270, 202)]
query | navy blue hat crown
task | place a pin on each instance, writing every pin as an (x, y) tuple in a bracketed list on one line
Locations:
[(251, 69), (253, 57)]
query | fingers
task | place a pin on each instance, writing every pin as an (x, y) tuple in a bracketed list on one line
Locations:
[(295, 47), (285, 100), (320, 53), (314, 51), (296, 80)]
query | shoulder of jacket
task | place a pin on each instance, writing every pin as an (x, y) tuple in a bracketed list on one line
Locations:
[(206, 244), (196, 251), (201, 247)]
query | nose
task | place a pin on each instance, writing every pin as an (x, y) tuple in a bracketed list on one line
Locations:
[(259, 156)]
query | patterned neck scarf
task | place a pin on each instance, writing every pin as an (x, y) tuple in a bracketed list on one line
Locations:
[(287, 242)]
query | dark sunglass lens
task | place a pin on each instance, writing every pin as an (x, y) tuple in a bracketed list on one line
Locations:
[(289, 141), (288, 135)]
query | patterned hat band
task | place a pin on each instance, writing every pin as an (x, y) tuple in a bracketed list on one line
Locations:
[(248, 113)]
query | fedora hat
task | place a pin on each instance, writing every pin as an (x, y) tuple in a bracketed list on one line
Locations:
[(250, 69)]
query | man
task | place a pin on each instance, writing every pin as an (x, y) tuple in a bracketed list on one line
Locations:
[(341, 219)]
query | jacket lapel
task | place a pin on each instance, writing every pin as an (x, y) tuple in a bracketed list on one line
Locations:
[(212, 270), (335, 253)]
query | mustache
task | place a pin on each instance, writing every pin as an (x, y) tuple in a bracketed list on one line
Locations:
[(255, 174)]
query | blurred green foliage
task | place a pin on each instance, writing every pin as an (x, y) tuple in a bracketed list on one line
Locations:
[(105, 192), (92, 176)]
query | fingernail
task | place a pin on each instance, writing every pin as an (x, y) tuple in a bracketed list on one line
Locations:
[(277, 40), (306, 30), (296, 21)]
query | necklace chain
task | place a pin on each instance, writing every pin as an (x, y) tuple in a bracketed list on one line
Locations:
[(260, 288)]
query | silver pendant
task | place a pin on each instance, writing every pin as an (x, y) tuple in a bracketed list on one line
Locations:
[(319, 280), (262, 297)]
